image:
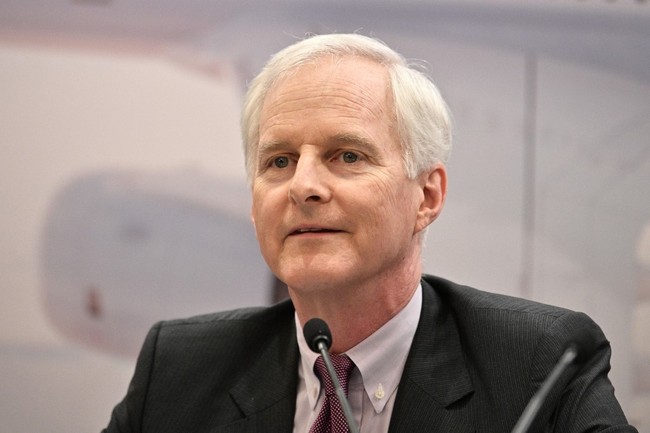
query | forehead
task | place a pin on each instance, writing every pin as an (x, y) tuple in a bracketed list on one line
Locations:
[(348, 86)]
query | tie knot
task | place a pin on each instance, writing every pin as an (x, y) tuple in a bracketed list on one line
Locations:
[(343, 366)]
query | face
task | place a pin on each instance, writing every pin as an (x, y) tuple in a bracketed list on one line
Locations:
[(332, 205)]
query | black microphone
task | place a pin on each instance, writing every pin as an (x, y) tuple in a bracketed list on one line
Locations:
[(581, 347), (319, 339)]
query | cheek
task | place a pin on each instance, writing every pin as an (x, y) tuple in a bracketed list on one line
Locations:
[(394, 200), (267, 214), (259, 222), (399, 212), (263, 231)]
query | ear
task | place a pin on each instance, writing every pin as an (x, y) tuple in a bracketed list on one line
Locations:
[(253, 221), (434, 188)]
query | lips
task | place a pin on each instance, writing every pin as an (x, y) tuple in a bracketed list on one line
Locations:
[(307, 230)]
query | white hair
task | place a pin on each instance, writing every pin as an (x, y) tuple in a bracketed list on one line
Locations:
[(422, 116)]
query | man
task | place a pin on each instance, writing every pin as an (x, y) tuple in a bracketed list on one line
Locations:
[(345, 150)]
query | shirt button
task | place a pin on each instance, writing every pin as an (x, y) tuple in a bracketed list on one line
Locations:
[(379, 392)]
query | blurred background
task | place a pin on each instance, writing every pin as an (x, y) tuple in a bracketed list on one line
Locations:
[(124, 201)]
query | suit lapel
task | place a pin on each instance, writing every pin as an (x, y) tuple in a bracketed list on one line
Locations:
[(435, 376), (266, 395)]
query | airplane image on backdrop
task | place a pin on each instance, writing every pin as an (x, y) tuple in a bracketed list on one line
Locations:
[(106, 229), (124, 250)]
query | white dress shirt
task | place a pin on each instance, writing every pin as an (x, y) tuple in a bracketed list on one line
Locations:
[(379, 361)]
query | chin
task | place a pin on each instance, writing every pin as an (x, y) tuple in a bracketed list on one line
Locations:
[(327, 284), (318, 271), (306, 280)]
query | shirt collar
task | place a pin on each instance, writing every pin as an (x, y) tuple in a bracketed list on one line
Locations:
[(380, 358)]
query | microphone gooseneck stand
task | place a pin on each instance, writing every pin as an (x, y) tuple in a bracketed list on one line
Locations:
[(582, 346), (319, 338)]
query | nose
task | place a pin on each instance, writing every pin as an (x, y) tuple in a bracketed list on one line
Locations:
[(309, 183)]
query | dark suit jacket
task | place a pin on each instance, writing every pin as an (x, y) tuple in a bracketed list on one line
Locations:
[(475, 361)]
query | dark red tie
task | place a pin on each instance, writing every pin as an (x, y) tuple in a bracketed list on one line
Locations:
[(331, 418)]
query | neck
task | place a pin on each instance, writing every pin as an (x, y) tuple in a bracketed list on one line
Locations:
[(353, 314)]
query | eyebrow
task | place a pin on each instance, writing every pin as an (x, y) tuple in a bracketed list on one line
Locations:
[(371, 148), (271, 146), (352, 138)]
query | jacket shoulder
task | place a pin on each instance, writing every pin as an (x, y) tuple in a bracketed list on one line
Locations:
[(499, 328), (461, 296), (250, 316), (240, 330)]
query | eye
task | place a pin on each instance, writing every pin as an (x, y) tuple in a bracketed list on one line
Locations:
[(281, 162), (349, 157)]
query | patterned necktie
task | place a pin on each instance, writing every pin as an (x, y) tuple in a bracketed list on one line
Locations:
[(331, 418)]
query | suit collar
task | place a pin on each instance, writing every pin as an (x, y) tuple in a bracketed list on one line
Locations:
[(435, 376), (266, 394), (436, 360)]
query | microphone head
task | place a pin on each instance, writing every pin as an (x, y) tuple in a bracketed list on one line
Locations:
[(315, 331), (585, 342)]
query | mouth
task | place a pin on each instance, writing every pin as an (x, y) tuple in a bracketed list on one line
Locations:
[(312, 230)]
